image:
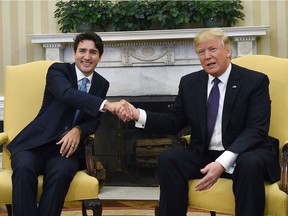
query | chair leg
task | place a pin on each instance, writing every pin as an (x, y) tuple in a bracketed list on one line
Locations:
[(93, 204), (9, 209), (156, 209), (212, 213)]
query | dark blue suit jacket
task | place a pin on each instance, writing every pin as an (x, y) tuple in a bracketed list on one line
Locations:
[(245, 120), (61, 99)]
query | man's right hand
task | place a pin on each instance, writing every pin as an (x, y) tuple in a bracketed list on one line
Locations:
[(123, 109)]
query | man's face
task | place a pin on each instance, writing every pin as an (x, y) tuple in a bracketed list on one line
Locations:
[(214, 56), (87, 57)]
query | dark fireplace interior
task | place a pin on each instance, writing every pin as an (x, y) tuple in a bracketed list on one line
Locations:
[(129, 154)]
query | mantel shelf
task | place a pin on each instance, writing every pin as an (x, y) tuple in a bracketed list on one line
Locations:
[(171, 34)]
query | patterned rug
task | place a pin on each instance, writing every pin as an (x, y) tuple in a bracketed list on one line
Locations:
[(123, 211), (130, 211)]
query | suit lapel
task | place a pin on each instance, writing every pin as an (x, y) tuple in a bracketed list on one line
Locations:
[(74, 76), (201, 102), (232, 89), (94, 86)]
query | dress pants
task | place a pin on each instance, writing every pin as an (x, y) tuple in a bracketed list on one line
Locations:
[(58, 173), (177, 166)]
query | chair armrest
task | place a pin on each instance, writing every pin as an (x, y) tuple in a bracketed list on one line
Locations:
[(284, 169), (185, 140), (3, 138), (94, 167)]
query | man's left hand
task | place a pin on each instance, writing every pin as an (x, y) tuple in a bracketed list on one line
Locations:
[(70, 142)]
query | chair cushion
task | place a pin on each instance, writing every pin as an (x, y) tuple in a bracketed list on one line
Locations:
[(220, 198), (82, 187)]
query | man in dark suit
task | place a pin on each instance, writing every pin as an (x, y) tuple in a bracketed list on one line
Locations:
[(238, 146), (53, 143)]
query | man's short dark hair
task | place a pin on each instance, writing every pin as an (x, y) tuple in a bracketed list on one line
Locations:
[(89, 36)]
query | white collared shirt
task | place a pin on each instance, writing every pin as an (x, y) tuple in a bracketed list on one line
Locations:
[(80, 76)]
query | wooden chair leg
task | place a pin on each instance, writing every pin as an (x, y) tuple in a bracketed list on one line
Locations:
[(212, 213), (9, 209), (94, 204), (156, 209)]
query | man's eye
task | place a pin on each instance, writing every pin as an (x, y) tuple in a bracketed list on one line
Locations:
[(201, 52), (213, 49)]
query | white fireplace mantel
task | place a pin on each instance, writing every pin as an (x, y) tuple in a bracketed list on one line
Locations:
[(147, 62)]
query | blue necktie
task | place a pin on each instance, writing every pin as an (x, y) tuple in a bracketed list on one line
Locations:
[(83, 88), (212, 108)]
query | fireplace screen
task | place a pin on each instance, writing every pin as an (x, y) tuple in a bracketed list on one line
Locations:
[(129, 154)]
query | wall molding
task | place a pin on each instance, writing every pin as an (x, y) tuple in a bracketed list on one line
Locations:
[(122, 36), (1, 108)]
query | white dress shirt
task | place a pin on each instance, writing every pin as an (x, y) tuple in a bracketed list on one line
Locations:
[(227, 158)]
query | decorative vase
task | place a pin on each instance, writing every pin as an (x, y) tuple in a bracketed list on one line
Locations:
[(214, 22), (85, 27)]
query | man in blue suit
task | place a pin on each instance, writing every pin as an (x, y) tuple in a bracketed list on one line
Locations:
[(53, 143), (238, 148)]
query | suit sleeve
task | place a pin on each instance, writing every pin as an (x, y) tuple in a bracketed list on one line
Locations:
[(170, 122), (60, 84)]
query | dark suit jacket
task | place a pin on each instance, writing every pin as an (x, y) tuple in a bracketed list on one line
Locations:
[(245, 121), (61, 99)]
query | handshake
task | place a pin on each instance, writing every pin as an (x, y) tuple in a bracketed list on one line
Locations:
[(123, 109)]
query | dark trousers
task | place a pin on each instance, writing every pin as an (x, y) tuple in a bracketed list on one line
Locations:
[(58, 172), (177, 166)]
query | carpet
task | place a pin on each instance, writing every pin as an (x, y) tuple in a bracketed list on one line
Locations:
[(130, 211), (121, 211)]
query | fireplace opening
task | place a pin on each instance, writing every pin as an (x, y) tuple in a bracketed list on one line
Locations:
[(129, 154)]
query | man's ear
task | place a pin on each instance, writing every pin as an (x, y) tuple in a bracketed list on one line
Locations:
[(229, 52)]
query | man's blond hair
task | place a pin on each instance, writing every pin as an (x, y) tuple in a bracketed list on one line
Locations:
[(211, 33)]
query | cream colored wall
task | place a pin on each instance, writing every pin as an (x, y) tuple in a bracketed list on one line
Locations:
[(19, 19)]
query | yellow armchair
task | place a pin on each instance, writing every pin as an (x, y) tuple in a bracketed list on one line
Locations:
[(23, 98), (220, 197)]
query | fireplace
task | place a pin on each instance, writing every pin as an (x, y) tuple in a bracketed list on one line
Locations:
[(129, 154)]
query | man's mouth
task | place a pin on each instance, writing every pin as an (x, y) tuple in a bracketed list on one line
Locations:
[(211, 64), (86, 64)]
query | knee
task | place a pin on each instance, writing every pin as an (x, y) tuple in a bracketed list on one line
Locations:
[(64, 172), (23, 167), (167, 157), (251, 163), (25, 173)]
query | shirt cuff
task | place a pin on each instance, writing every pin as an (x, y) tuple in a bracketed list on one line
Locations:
[(102, 106), (142, 119), (227, 160)]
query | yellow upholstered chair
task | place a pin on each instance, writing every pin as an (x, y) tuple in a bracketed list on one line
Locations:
[(23, 98), (220, 197)]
